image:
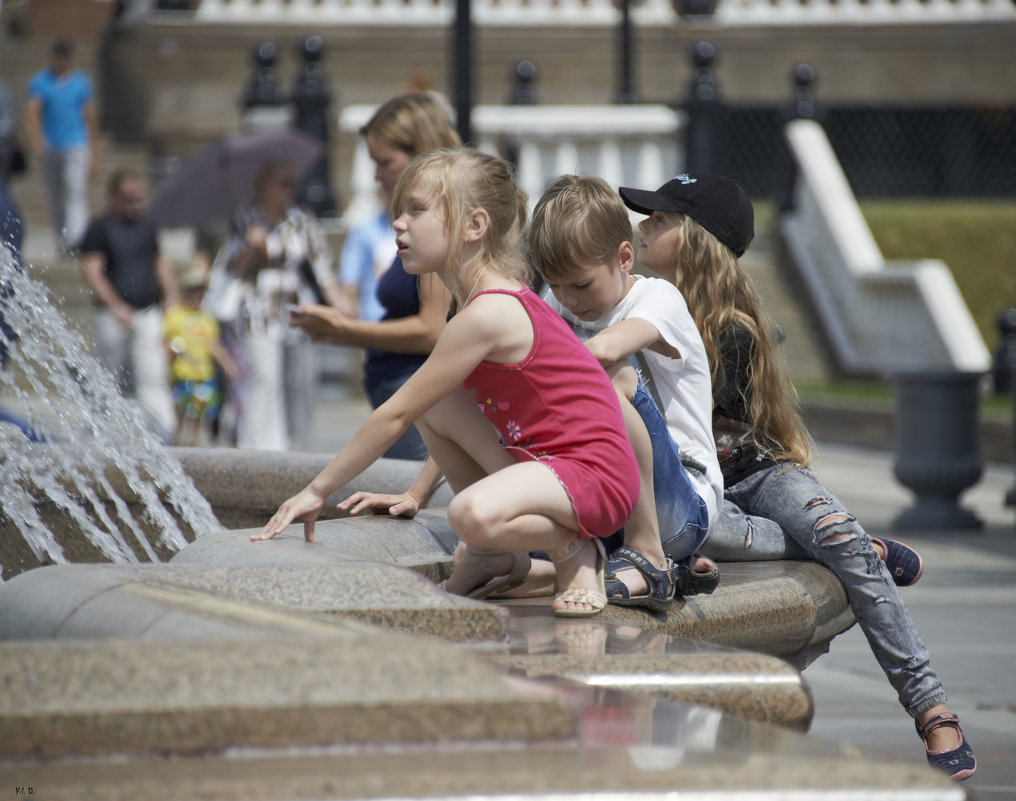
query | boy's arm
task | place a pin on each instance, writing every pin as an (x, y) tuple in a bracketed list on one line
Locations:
[(621, 340)]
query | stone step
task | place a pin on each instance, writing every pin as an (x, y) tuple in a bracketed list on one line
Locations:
[(786, 609), (305, 599), (786, 302), (662, 666), (623, 749), (357, 685)]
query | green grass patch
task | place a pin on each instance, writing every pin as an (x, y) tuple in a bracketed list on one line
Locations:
[(977, 241), (878, 393), (882, 394), (975, 238)]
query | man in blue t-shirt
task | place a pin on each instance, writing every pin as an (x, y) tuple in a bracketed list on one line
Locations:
[(60, 121)]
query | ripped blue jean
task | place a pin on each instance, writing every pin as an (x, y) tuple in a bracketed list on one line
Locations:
[(783, 512), (681, 512)]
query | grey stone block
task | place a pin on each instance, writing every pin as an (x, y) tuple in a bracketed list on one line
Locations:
[(108, 697)]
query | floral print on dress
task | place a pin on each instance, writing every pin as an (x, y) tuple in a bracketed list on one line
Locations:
[(514, 431), (511, 432)]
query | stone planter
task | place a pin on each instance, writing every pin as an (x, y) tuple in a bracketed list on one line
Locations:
[(936, 447)]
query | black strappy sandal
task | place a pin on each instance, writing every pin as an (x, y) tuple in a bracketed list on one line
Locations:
[(703, 581), (662, 583)]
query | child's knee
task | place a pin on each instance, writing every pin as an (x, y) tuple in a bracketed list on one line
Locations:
[(474, 519)]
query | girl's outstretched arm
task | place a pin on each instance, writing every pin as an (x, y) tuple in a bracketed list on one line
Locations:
[(385, 425), (466, 341)]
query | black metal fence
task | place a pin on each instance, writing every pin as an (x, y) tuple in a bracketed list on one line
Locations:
[(885, 151)]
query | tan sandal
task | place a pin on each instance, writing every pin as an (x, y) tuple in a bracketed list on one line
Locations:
[(580, 595), (498, 584), (509, 581)]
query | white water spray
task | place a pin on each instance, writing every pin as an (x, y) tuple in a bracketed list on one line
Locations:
[(88, 441)]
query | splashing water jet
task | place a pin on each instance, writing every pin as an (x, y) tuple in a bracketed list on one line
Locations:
[(73, 448)]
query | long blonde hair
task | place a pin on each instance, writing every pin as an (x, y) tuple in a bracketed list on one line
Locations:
[(412, 123), (720, 297), (463, 180)]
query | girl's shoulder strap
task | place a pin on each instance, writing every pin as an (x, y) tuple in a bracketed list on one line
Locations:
[(522, 293)]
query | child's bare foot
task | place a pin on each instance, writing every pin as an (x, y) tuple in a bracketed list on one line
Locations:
[(705, 575), (702, 564), (637, 584), (630, 577), (541, 581)]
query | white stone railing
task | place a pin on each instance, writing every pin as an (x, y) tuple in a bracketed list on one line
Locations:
[(880, 317), (626, 145), (433, 12), (598, 13), (865, 12)]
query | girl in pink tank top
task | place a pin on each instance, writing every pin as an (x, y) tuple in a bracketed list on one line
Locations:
[(555, 471)]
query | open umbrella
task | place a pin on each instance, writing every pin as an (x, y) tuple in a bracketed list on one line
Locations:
[(217, 181)]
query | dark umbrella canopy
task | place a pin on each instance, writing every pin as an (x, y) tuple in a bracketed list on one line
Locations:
[(217, 181)]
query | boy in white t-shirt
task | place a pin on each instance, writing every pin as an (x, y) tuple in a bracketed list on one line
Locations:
[(580, 241)]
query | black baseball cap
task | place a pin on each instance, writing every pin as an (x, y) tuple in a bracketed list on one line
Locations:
[(715, 202)]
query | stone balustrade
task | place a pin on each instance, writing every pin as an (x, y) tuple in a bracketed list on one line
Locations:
[(600, 13), (869, 12), (626, 145), (584, 13)]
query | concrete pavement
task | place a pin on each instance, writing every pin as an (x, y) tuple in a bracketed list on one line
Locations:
[(962, 607)]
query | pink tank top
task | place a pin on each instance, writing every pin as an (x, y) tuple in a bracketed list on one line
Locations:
[(558, 406)]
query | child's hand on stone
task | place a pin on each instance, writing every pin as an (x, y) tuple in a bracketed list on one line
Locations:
[(402, 505), (306, 507)]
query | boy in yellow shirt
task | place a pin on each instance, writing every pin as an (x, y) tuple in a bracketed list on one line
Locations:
[(192, 337)]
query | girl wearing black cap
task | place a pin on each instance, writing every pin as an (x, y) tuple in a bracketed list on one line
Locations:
[(774, 508)]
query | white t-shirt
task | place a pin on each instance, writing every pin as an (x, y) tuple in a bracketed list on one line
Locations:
[(684, 385)]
